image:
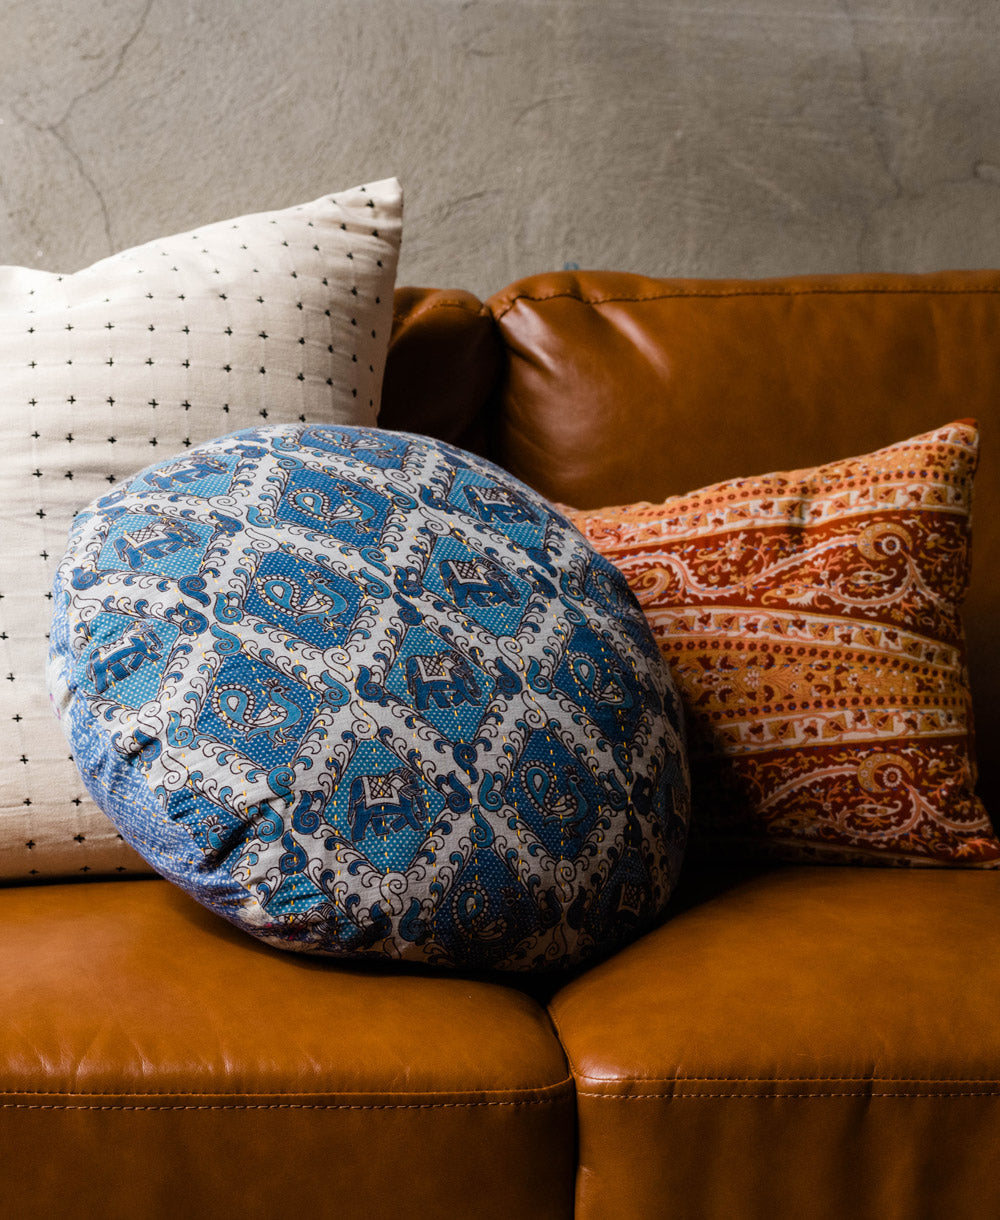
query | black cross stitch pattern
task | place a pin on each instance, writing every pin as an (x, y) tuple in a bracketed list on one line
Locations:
[(122, 362)]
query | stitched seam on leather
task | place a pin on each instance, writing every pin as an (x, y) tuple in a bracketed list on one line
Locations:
[(421, 310), (431, 1105), (682, 1080), (563, 1086), (745, 292), (772, 1096)]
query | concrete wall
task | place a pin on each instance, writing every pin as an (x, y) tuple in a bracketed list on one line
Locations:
[(690, 138)]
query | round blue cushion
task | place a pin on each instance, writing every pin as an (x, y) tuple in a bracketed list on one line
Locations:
[(365, 694)]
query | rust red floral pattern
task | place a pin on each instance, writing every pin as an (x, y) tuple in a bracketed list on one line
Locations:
[(811, 621)]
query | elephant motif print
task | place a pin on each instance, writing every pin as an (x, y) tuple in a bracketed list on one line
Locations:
[(444, 679), (186, 472), (498, 504), (119, 660), (384, 803), (155, 541), (477, 581)]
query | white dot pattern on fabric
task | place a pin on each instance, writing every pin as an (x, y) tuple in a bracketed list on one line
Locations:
[(279, 317)]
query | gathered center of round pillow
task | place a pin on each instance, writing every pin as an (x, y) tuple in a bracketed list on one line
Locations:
[(365, 694)]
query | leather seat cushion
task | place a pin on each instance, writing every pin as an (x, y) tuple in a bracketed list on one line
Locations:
[(809, 1041), (154, 1056)]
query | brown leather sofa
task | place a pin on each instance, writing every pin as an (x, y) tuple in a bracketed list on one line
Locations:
[(792, 1042)]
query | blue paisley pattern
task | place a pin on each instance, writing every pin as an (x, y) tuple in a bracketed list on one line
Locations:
[(366, 695)]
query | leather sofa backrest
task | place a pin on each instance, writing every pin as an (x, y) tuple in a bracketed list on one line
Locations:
[(444, 365), (617, 387)]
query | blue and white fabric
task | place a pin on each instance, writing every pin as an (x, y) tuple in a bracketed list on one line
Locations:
[(367, 695)]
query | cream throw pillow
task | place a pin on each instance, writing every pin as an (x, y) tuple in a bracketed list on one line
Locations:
[(280, 317)]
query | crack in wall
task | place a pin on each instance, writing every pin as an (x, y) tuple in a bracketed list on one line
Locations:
[(982, 172), (116, 69), (58, 129), (88, 178), (879, 138)]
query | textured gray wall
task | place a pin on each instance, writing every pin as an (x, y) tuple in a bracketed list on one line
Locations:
[(690, 138)]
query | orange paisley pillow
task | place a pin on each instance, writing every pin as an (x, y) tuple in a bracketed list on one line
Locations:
[(811, 621)]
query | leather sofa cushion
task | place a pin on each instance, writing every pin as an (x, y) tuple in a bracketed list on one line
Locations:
[(155, 1059), (621, 388), (805, 1041)]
